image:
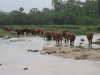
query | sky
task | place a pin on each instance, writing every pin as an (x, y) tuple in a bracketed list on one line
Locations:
[(9, 5)]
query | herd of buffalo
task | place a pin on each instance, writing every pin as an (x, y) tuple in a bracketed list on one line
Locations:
[(57, 35)]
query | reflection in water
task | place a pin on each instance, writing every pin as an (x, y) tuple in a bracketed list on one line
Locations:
[(14, 58)]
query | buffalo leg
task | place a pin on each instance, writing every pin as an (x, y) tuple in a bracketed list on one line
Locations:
[(58, 42), (68, 40), (65, 40), (44, 37), (27, 34), (61, 41), (90, 42), (41, 33), (70, 43)]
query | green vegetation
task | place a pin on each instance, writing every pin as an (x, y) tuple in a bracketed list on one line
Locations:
[(79, 46), (98, 42), (2, 32), (42, 36), (82, 39), (63, 13), (78, 30), (73, 16)]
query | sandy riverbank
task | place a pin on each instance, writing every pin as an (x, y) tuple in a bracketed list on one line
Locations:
[(75, 53)]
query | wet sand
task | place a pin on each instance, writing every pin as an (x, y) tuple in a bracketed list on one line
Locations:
[(75, 53)]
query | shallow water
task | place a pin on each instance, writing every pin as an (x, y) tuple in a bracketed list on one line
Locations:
[(85, 43), (14, 57)]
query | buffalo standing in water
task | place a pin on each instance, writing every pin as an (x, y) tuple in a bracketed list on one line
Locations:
[(72, 38), (19, 31), (42, 30), (90, 37), (58, 37), (38, 30)]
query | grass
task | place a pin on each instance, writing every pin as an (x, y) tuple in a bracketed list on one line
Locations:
[(42, 36), (2, 32), (77, 29), (98, 42), (82, 39), (7, 38), (1, 36)]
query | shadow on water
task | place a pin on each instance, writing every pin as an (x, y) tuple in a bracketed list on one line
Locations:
[(14, 57)]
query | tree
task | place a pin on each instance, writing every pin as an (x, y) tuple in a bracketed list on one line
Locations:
[(45, 10), (99, 8), (33, 10), (21, 9)]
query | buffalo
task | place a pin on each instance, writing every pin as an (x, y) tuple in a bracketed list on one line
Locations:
[(45, 33), (6, 28), (42, 30), (72, 38), (48, 34), (38, 30), (90, 37), (58, 36), (53, 34), (19, 31), (27, 31), (67, 36)]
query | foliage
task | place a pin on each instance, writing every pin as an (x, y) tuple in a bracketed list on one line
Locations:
[(82, 39), (63, 14)]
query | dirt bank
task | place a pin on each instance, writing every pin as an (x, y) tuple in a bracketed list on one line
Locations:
[(75, 53)]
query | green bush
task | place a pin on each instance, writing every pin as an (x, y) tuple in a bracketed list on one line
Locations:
[(85, 21), (82, 39)]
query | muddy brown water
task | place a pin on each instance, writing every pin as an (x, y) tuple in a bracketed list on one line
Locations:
[(14, 57)]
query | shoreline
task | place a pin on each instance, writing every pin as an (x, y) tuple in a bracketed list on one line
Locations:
[(75, 53)]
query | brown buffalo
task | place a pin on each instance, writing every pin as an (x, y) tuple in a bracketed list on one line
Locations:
[(19, 31), (35, 31), (11, 28), (5, 28), (67, 36), (53, 34), (63, 32), (42, 30), (48, 34), (58, 36), (45, 33), (72, 38), (27, 31), (32, 31), (90, 37), (38, 30)]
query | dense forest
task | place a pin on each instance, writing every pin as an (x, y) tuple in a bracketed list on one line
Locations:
[(68, 13)]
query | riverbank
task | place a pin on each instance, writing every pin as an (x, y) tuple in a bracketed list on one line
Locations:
[(75, 53), (77, 29)]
